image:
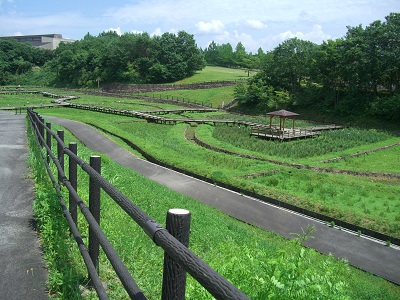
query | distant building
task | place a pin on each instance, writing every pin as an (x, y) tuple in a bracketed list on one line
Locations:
[(45, 41)]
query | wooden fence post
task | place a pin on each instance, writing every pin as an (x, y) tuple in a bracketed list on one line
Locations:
[(41, 129), (174, 276), (73, 178), (60, 152), (94, 207), (48, 140)]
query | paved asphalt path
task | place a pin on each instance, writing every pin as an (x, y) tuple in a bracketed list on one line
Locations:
[(366, 254), (22, 270)]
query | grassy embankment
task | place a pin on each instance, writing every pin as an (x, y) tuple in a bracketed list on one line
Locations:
[(168, 143), (371, 202), (258, 262), (210, 97)]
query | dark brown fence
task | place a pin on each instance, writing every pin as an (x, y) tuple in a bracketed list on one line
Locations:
[(178, 259), (146, 88)]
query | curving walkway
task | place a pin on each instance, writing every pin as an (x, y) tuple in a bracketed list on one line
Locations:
[(364, 253), (22, 270)]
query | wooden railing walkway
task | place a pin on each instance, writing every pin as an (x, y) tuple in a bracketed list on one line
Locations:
[(174, 239), (14, 92), (289, 134), (179, 110), (59, 100), (258, 129), (150, 115)]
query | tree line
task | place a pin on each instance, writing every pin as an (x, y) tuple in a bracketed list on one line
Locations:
[(107, 58), (110, 58), (225, 56), (129, 58), (19, 58), (356, 74)]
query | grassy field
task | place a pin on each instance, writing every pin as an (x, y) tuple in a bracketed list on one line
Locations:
[(209, 97), (362, 200), (23, 100), (260, 263), (370, 202), (210, 73), (337, 143), (254, 255)]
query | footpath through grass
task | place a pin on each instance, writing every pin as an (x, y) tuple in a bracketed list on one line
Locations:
[(369, 202), (260, 263)]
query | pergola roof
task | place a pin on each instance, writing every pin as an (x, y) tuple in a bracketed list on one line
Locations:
[(282, 113)]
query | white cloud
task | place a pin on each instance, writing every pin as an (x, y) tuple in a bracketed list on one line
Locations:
[(136, 31), (156, 32), (317, 35), (116, 30), (215, 26), (288, 35), (222, 20), (256, 24), (234, 38), (247, 40)]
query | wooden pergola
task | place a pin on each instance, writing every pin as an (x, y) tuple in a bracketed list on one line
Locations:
[(283, 115)]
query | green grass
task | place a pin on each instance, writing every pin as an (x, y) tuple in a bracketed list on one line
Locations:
[(64, 264), (23, 100), (122, 103), (260, 263), (328, 142), (210, 97), (371, 203), (387, 160), (210, 73)]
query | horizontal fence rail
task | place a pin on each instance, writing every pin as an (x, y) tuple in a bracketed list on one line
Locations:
[(175, 250)]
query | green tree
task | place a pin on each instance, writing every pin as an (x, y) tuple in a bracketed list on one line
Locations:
[(391, 52), (329, 71), (240, 56), (211, 53), (357, 74), (130, 58), (19, 58), (292, 64), (225, 55), (190, 53)]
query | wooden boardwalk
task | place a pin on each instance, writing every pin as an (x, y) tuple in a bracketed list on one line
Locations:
[(291, 134), (154, 116), (179, 110), (258, 129), (19, 108), (15, 92), (58, 100)]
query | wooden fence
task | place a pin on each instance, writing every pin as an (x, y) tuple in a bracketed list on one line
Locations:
[(178, 259)]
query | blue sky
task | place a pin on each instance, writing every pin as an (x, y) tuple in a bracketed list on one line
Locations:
[(256, 23)]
